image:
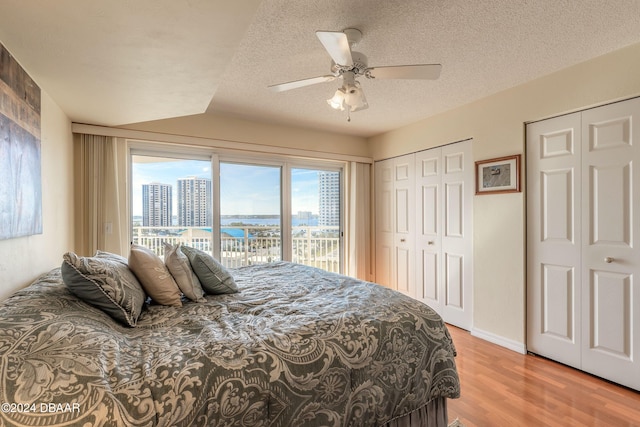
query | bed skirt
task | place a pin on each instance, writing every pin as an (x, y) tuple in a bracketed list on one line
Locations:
[(433, 414)]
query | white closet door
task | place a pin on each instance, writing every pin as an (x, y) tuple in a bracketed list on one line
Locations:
[(457, 234), (384, 173), (395, 219), (444, 236), (428, 229), (583, 253), (424, 236), (554, 238), (404, 220), (611, 246)]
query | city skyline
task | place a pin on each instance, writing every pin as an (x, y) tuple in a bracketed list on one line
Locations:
[(244, 189)]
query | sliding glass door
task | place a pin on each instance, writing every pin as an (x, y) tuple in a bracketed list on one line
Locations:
[(316, 218), (250, 214), (241, 212)]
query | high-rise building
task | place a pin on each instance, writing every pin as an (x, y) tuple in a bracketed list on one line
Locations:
[(329, 191), (195, 202), (156, 205)]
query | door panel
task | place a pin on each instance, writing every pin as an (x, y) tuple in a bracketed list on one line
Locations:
[(430, 205), (428, 239), (429, 291), (611, 314), (384, 223), (454, 282), (557, 203), (611, 216), (403, 270), (402, 210), (404, 218), (454, 209), (457, 239), (558, 289), (611, 254), (554, 238)]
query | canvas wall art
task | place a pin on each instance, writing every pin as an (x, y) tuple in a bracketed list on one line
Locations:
[(20, 176)]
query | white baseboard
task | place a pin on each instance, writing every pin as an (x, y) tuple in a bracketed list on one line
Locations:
[(516, 346)]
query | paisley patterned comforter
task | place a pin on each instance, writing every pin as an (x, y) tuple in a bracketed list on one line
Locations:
[(296, 347)]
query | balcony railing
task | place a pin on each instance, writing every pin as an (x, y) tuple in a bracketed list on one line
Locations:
[(316, 246)]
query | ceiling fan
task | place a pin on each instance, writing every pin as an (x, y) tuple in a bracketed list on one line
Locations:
[(349, 65)]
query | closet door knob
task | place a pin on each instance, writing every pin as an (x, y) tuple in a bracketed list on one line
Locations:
[(430, 242), (609, 259), (402, 240)]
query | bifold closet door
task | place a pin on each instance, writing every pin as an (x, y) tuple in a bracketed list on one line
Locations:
[(457, 233), (610, 241), (554, 239), (403, 224), (384, 222), (395, 220), (583, 245), (444, 236)]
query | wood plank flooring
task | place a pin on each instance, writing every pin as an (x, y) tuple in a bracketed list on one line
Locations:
[(500, 387)]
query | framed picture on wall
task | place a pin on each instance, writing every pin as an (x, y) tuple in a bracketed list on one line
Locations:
[(499, 175)]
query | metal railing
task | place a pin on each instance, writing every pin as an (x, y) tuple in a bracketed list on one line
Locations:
[(316, 246)]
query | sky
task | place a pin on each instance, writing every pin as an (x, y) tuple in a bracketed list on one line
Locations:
[(244, 189)]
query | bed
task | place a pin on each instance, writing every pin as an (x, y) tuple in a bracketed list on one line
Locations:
[(296, 346)]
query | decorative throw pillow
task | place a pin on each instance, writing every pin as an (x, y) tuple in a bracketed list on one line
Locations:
[(112, 256), (180, 268), (154, 277), (106, 284), (215, 279)]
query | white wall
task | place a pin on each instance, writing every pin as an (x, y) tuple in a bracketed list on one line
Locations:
[(237, 130), (496, 125), (23, 259)]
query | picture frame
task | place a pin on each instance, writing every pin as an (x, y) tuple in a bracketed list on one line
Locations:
[(499, 175)]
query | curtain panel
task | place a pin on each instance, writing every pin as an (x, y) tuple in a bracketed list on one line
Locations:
[(99, 206), (358, 221)]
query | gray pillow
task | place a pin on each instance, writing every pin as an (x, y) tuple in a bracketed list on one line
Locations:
[(112, 256), (106, 283), (180, 268), (215, 279)]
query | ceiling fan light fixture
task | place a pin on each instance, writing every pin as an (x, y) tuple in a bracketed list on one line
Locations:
[(337, 101), (355, 98)]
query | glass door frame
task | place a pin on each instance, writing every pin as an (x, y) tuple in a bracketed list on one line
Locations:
[(216, 156)]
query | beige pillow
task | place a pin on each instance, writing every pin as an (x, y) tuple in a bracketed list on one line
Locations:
[(154, 276), (180, 268)]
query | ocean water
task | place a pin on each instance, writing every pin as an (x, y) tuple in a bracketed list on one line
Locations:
[(267, 221), (275, 221)]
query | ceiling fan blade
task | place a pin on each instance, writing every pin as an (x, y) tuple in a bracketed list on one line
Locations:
[(337, 45), (420, 71), (281, 87)]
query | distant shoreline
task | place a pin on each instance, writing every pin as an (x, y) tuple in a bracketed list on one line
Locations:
[(254, 220)]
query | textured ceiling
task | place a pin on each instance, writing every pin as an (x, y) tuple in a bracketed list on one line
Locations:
[(121, 62), (114, 62)]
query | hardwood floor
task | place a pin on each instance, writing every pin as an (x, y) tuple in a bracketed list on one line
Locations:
[(500, 387)]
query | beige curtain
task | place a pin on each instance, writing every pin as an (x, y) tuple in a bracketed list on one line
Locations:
[(358, 216), (99, 202)]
